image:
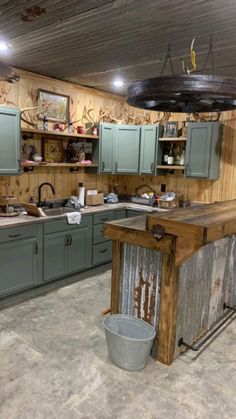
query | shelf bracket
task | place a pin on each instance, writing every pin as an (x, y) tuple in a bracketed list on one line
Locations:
[(196, 347), (28, 169), (74, 169)]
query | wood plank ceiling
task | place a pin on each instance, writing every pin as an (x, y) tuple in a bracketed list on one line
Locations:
[(91, 42)]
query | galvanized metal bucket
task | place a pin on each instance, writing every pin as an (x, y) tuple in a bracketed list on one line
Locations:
[(129, 341)]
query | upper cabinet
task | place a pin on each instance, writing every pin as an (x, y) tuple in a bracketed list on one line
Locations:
[(10, 141), (127, 146), (148, 149), (203, 147), (128, 149), (107, 134)]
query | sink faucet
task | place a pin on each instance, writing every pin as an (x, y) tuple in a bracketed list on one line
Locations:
[(40, 189)]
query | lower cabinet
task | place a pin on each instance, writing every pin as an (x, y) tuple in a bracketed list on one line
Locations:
[(102, 248), (69, 250), (20, 258), (41, 252), (133, 213)]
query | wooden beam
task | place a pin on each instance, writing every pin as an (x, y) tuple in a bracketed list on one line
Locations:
[(137, 238), (115, 280), (169, 294)]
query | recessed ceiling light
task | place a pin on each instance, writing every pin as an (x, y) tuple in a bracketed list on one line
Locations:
[(4, 46), (118, 83)]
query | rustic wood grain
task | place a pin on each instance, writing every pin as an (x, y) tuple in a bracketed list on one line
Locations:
[(137, 237), (115, 289), (168, 309)]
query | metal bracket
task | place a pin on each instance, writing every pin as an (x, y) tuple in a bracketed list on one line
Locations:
[(74, 169), (195, 348), (158, 231), (28, 169)]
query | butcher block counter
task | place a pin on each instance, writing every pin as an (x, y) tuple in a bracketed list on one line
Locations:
[(176, 270)]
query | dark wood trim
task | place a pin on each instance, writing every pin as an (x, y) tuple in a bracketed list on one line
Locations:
[(137, 238), (169, 295), (115, 281)]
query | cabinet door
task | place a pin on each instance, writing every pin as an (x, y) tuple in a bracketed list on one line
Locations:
[(55, 255), (9, 141), (18, 265), (148, 149), (198, 149), (127, 145), (106, 141), (80, 249)]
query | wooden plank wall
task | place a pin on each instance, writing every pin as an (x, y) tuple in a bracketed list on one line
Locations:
[(196, 189), (24, 94)]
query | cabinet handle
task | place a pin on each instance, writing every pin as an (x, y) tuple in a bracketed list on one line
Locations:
[(19, 164), (103, 165), (116, 165), (14, 235), (104, 219), (103, 250), (66, 240), (152, 167), (187, 170), (36, 248), (70, 239)]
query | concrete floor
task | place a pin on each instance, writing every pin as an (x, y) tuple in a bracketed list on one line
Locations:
[(54, 364)]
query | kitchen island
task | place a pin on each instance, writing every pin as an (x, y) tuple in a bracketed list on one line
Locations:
[(176, 270)]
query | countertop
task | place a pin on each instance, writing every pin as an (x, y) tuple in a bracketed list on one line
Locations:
[(204, 224), (25, 219)]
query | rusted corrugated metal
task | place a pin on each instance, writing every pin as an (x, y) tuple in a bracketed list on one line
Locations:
[(92, 41), (140, 282), (207, 281)]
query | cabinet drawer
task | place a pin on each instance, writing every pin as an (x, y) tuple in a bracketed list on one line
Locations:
[(102, 253), (98, 236), (120, 214), (19, 232), (62, 225), (103, 217)]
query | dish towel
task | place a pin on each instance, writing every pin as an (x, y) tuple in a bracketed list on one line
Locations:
[(73, 217)]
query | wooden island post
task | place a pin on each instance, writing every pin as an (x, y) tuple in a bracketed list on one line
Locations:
[(179, 281)]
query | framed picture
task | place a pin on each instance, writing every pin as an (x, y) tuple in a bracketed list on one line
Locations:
[(54, 106), (54, 151), (170, 129)]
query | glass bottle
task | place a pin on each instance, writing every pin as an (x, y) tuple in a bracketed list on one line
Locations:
[(170, 160), (182, 157), (165, 155), (177, 157)]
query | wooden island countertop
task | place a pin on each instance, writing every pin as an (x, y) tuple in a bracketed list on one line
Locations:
[(175, 270)]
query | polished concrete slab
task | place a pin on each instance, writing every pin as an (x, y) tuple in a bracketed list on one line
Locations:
[(54, 364)]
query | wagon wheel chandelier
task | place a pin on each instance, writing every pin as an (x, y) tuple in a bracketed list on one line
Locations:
[(188, 93)]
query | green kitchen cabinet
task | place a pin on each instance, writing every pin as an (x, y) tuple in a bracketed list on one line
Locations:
[(20, 258), (106, 144), (80, 249), (10, 141), (134, 213), (127, 149), (55, 255), (67, 247), (148, 149), (203, 149)]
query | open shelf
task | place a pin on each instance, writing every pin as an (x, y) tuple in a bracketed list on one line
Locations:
[(59, 133), (44, 164), (168, 167), (175, 139)]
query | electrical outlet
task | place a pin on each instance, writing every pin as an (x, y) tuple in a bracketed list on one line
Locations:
[(163, 187)]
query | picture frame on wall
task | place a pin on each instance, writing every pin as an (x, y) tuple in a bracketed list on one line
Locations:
[(170, 129), (54, 106)]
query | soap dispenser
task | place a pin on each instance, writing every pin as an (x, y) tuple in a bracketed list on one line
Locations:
[(81, 194)]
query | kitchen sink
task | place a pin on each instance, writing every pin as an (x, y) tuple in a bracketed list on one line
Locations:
[(52, 212)]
